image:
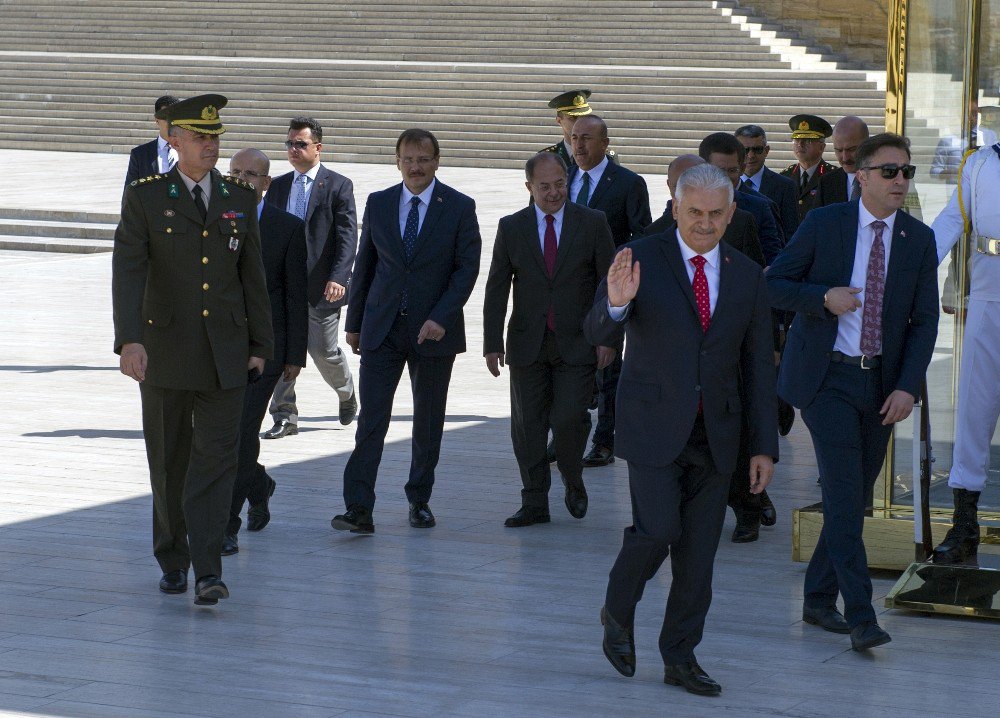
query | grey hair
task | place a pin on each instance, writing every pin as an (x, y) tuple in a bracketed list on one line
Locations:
[(751, 132), (704, 177)]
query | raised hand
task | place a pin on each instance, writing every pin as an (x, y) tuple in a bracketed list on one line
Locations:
[(623, 279)]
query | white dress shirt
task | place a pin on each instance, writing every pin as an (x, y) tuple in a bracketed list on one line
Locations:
[(595, 176), (756, 179), (260, 208), (296, 181), (557, 220), (404, 206), (712, 259), (849, 323), (205, 183), (850, 183), (171, 155)]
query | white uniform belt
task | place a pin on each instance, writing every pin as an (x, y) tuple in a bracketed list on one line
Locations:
[(988, 245)]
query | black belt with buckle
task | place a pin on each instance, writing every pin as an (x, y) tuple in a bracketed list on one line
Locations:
[(861, 361)]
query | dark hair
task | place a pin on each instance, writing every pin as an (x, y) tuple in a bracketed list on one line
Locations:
[(868, 148), (724, 144), (600, 121), (417, 136), (307, 123), (751, 132), (165, 101), (532, 163)]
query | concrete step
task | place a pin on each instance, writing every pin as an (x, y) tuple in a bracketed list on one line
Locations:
[(50, 229), (49, 244), (40, 215)]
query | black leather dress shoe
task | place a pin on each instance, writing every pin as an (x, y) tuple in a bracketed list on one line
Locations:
[(208, 590), (768, 516), (421, 516), (827, 618), (349, 409), (174, 581), (357, 519), (746, 532), (575, 500), (550, 451), (692, 678), (868, 635), (598, 456), (258, 515), (618, 645), (526, 516), (281, 429), (230, 545)]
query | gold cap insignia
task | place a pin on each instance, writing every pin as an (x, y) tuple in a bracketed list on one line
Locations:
[(802, 125), (579, 101), (210, 113)]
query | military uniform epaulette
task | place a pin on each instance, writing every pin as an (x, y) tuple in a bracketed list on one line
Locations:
[(144, 180), (238, 182), (551, 148)]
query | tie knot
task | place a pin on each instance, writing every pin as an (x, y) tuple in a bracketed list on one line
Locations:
[(879, 226), (414, 200), (303, 179), (197, 190), (698, 261), (549, 219)]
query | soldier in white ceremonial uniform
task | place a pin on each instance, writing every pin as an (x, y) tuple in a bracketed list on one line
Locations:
[(974, 207)]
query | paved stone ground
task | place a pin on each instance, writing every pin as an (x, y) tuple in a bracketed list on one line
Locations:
[(467, 619)]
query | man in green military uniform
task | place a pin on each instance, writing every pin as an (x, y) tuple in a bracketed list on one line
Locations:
[(809, 134), (569, 106), (192, 324)]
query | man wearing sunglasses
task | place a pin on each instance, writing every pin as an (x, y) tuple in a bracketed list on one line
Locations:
[(978, 403), (756, 176), (324, 200), (862, 279), (809, 134)]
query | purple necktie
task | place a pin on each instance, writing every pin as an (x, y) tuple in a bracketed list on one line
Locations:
[(871, 321), (549, 254)]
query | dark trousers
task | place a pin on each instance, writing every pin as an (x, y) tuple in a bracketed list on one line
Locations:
[(380, 372), (549, 392), (747, 506), (677, 510), (252, 482), (850, 444), (191, 444), (607, 380)]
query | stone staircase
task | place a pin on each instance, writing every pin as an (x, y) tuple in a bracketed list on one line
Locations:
[(82, 76), (53, 231)]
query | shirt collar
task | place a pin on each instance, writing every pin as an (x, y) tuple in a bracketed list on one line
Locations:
[(205, 182), (597, 170), (311, 173), (865, 218), (540, 215), (756, 179), (160, 142), (425, 196), (711, 257)]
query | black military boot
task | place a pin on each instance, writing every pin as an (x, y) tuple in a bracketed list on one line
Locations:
[(962, 541)]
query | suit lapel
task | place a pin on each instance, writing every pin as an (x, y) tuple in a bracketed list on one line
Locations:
[(726, 288), (529, 230), (278, 192), (897, 246), (604, 186), (570, 224), (676, 262), (319, 190), (391, 210), (434, 211), (849, 242)]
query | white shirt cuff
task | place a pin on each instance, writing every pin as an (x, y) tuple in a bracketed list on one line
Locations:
[(618, 313)]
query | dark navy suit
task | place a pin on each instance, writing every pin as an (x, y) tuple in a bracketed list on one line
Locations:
[(840, 403), (680, 456), (438, 279), (142, 162), (765, 212), (783, 192)]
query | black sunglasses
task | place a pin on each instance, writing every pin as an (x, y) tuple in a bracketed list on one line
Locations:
[(890, 171), (297, 144), (757, 150)]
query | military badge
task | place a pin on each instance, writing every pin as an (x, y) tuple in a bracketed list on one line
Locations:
[(173, 191), (234, 244), (168, 213), (223, 189), (232, 215)]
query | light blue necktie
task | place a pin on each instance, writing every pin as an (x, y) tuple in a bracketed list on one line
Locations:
[(166, 164), (300, 197)]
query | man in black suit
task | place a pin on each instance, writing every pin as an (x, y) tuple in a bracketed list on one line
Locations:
[(283, 246), (757, 176), (621, 194), (809, 134), (862, 279), (324, 200), (570, 106), (155, 157), (698, 329), (557, 252), (841, 184), (417, 264)]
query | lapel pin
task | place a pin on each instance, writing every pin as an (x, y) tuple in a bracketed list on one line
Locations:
[(440, 200), (726, 259), (902, 233)]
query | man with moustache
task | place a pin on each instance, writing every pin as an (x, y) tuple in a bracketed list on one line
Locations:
[(324, 200), (283, 245), (841, 185), (757, 176), (809, 134), (569, 106), (191, 320), (698, 329), (417, 264), (622, 195), (862, 279), (554, 253)]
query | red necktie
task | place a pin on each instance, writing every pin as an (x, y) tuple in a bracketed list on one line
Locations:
[(700, 286), (871, 319), (549, 254)]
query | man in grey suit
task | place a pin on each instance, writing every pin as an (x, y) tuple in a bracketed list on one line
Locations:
[(324, 200), (558, 252)]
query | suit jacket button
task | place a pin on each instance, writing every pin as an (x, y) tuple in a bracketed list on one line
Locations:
[(204, 233), (169, 230), (204, 260), (698, 388), (205, 286), (204, 312), (149, 321)]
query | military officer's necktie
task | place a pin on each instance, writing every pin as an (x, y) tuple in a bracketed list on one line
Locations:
[(550, 250), (805, 180), (199, 202), (410, 230), (871, 320), (583, 196), (300, 196), (855, 189)]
